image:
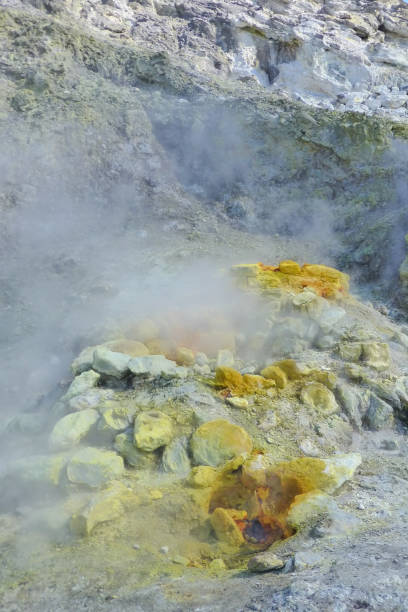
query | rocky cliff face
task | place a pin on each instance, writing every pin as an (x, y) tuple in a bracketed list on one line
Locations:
[(273, 117)]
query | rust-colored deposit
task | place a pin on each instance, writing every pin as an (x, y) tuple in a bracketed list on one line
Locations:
[(250, 506)]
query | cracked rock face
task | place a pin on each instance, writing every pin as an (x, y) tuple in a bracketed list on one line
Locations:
[(350, 56)]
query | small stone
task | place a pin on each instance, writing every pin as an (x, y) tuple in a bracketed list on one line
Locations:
[(84, 360), (112, 422), (376, 355), (203, 476), (350, 401), (175, 457), (217, 564), (320, 398), (238, 402), (110, 363), (105, 506), (164, 550), (379, 415), (132, 455), (40, 469), (350, 351), (276, 374), (308, 448), (156, 494), (72, 428), (136, 546), (226, 529), (389, 445), (152, 430), (225, 358), (81, 384), (307, 558), (201, 359), (265, 562), (216, 442), (154, 366), (308, 508), (184, 356), (180, 560), (94, 467)]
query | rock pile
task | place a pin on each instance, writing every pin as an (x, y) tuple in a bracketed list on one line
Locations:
[(252, 439)]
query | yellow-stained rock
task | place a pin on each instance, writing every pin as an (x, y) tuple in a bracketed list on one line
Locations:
[(107, 505), (376, 355), (203, 476), (226, 528), (312, 473), (184, 356), (275, 373), (216, 442), (290, 267), (290, 368), (318, 396), (328, 379), (308, 508), (325, 281)]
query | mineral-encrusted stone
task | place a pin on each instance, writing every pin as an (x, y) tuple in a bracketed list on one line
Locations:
[(339, 469), (238, 402), (112, 422), (203, 476), (106, 505), (216, 442), (379, 415), (133, 456), (81, 384), (276, 374), (72, 428), (108, 362), (184, 356), (350, 401), (350, 351), (94, 467), (307, 508), (226, 528), (376, 355), (175, 457), (152, 430), (318, 396), (265, 562)]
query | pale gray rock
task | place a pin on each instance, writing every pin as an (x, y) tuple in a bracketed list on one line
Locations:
[(72, 428), (379, 415), (81, 384), (110, 363), (265, 562), (94, 467), (175, 458), (156, 365)]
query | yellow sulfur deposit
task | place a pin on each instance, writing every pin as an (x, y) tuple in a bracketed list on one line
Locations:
[(238, 384), (325, 281)]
